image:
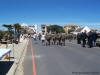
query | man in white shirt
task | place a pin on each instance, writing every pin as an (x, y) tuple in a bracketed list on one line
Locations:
[(43, 38), (34, 36)]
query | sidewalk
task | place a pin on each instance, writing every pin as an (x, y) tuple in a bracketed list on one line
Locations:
[(16, 55)]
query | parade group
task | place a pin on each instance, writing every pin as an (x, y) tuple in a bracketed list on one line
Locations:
[(89, 39), (84, 39)]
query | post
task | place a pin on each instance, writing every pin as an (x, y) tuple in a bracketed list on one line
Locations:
[(13, 50), (7, 44), (9, 56)]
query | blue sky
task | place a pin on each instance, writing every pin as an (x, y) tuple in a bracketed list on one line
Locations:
[(81, 12)]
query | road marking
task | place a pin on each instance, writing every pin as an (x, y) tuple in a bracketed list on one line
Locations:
[(33, 59)]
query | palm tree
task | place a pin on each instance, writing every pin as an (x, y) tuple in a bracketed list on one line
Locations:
[(9, 27), (17, 27)]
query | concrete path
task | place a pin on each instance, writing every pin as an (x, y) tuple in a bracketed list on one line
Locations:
[(18, 52)]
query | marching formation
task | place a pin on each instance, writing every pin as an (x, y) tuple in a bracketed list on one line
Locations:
[(56, 39), (83, 38)]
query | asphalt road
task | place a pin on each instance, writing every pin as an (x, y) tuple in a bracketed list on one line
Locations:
[(71, 59)]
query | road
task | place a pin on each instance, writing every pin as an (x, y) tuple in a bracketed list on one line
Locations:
[(71, 59)]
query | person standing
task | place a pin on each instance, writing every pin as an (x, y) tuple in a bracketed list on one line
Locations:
[(95, 36), (90, 39), (43, 39), (48, 39), (84, 36), (39, 36), (35, 36), (78, 38)]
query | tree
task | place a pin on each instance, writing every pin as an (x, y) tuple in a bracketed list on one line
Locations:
[(25, 31), (9, 32), (55, 29), (18, 28), (9, 27), (2, 34)]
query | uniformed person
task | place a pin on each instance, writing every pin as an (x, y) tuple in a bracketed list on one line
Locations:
[(95, 36), (63, 39), (48, 39), (78, 38), (83, 36), (58, 38), (39, 36), (90, 39), (53, 39)]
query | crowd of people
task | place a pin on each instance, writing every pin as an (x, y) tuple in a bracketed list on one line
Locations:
[(56, 39), (85, 39), (89, 38)]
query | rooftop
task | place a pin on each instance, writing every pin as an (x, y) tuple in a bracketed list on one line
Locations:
[(71, 25)]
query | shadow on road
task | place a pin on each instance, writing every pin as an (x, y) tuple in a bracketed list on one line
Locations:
[(5, 66)]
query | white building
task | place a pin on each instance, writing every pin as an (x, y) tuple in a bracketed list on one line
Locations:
[(80, 30), (36, 28), (24, 25), (30, 29), (33, 29), (43, 29), (86, 28)]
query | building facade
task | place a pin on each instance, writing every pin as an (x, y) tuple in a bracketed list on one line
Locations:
[(70, 27), (43, 28)]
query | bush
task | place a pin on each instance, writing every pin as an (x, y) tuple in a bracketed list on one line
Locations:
[(2, 34)]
